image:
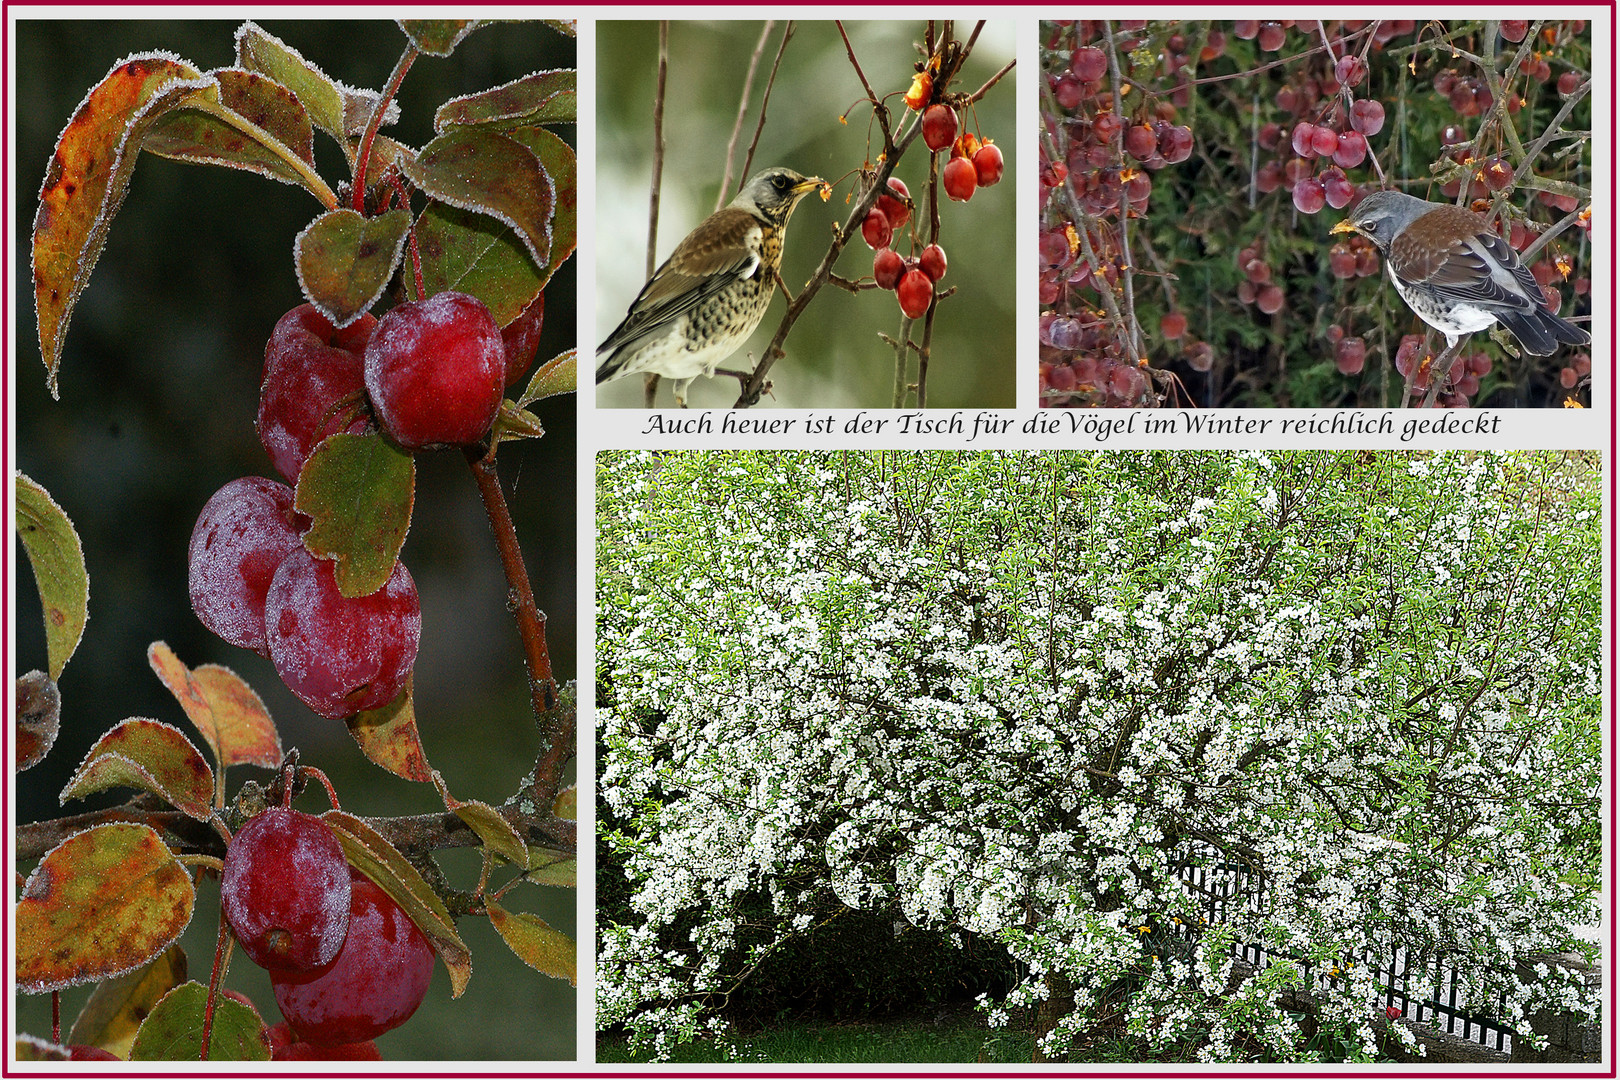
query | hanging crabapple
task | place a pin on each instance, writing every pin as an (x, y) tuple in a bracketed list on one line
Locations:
[(243, 533), (311, 369), (960, 179), (374, 983), (916, 292), (285, 890), (341, 655), (435, 370)]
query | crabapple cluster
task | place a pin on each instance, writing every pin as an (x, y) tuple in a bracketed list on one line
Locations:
[(972, 164), (1095, 173), (345, 961), (430, 373)]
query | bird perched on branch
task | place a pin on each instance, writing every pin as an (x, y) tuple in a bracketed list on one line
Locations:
[(703, 303), (1456, 273)]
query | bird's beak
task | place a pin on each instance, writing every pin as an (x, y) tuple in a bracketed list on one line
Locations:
[(1344, 226), (807, 185)]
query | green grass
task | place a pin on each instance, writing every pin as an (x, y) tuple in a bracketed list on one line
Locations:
[(963, 1039)]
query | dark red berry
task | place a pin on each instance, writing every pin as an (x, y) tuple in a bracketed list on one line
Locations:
[(916, 292), (243, 533), (372, 986), (887, 266), (932, 262), (313, 378), (285, 890), (960, 179), (939, 126), (435, 371), (875, 230)]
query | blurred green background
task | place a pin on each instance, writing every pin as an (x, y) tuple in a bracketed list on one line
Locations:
[(159, 386), (834, 355)]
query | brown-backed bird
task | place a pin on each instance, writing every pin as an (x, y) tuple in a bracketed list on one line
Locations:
[(1456, 273), (703, 303)]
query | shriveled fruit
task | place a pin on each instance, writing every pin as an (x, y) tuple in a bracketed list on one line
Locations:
[(435, 370), (372, 986), (313, 377), (243, 533), (340, 655), (285, 890)]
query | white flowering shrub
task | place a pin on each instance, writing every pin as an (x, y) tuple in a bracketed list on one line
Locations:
[(1026, 695)]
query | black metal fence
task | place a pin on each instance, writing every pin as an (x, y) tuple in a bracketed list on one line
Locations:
[(1423, 987)]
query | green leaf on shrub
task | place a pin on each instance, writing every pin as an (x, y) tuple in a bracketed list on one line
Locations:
[(566, 804), (101, 903), (558, 162), (321, 96), (566, 27), (87, 177), (495, 831), (34, 1048), (487, 172), (388, 737), (147, 755), (438, 37), (118, 1005), (58, 561), (173, 1032), (548, 866), (548, 951), (359, 490), (257, 125), (227, 712), (546, 97), (559, 375), (477, 255), (370, 852), (344, 260), (512, 422)]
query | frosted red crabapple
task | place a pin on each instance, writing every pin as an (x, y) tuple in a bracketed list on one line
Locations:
[(521, 338), (285, 890), (372, 986), (340, 655), (311, 370), (435, 370), (244, 532)]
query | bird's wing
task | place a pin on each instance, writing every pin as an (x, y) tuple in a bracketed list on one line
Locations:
[(1477, 266), (717, 253)]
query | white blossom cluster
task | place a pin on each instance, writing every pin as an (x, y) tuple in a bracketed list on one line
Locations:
[(1028, 695)]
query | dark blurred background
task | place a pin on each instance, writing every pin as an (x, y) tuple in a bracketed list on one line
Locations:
[(835, 358), (159, 389)]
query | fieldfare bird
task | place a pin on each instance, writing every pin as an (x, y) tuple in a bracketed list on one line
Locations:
[(1456, 273), (703, 303)]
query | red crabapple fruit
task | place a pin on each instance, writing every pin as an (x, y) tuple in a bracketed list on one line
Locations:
[(243, 533), (939, 126), (521, 337), (373, 985), (340, 655), (895, 206), (916, 291), (876, 230), (988, 164), (435, 370), (932, 262), (311, 369), (960, 179), (887, 267), (285, 890)]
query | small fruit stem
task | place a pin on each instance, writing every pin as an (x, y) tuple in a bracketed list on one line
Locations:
[(363, 159), (56, 1017), (222, 959), (554, 730)]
